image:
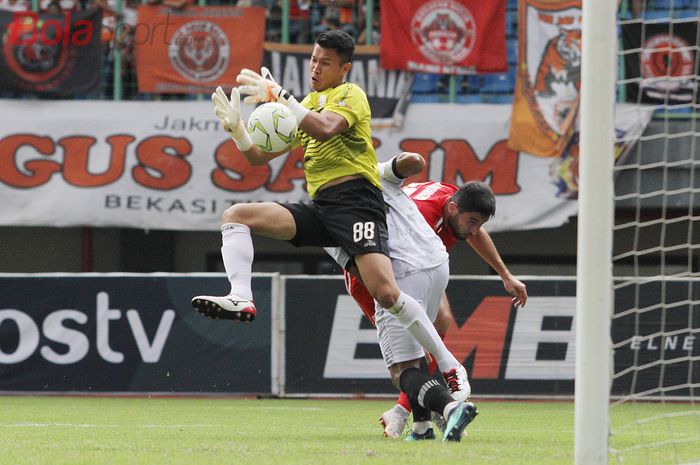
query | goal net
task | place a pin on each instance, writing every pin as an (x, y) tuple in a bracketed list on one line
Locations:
[(654, 414)]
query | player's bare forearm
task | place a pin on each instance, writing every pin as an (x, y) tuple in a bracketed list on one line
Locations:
[(409, 164), (257, 157), (322, 126), (484, 246)]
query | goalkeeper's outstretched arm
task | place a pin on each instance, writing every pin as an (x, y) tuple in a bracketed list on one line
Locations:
[(263, 88), (229, 113)]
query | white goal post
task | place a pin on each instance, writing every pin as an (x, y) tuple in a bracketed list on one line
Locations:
[(637, 397), (595, 223)]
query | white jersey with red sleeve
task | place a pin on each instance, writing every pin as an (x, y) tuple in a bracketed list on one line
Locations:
[(413, 244), (431, 198)]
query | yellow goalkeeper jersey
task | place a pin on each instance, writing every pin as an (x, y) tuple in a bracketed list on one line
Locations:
[(350, 152)]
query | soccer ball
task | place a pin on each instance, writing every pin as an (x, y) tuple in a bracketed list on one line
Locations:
[(272, 127)]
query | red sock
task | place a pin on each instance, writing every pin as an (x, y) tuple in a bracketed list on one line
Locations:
[(403, 401), (432, 366)]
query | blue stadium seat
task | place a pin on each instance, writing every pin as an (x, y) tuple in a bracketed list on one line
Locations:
[(685, 13), (425, 98), (471, 98), (511, 24), (684, 3), (661, 4), (656, 14), (497, 98), (498, 83), (469, 84), (426, 83), (512, 51)]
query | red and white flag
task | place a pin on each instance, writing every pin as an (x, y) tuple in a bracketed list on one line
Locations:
[(444, 36)]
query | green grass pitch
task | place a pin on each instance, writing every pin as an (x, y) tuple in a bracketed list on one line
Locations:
[(195, 431)]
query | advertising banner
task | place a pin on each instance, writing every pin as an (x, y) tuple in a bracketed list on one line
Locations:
[(196, 49), (170, 165), (660, 62), (388, 91), (138, 333), (444, 36), (530, 351), (56, 55), (129, 333), (505, 351), (546, 98)]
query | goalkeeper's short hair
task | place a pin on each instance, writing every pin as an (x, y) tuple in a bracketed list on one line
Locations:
[(340, 41)]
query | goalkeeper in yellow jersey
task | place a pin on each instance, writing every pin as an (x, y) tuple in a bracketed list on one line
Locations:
[(347, 210)]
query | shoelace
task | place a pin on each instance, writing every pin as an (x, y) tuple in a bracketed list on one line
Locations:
[(452, 380)]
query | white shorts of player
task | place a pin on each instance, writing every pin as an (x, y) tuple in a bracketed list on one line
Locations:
[(427, 287)]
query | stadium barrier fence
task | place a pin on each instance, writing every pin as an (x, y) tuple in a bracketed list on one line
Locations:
[(136, 333)]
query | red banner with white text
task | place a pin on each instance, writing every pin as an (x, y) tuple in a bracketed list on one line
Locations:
[(444, 36), (196, 49)]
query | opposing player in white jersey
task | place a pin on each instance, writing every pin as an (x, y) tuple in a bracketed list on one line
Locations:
[(420, 264), (455, 215)]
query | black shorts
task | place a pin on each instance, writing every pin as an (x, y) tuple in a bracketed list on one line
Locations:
[(350, 215)]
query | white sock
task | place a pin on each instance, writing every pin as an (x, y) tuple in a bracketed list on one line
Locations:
[(421, 427), (237, 252), (412, 316)]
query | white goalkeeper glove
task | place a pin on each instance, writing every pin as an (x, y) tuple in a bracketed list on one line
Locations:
[(262, 87), (229, 113)]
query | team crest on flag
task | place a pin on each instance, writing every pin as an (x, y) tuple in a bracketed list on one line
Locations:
[(660, 62), (444, 31), (199, 48), (199, 51), (548, 79), (444, 36), (50, 54)]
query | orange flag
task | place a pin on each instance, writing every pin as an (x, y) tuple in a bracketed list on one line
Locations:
[(196, 49), (546, 99)]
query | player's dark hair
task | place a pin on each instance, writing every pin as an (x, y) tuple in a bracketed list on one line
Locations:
[(338, 40), (475, 196)]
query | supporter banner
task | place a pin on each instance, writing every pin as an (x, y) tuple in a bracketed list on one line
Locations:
[(630, 123), (169, 165), (195, 49), (56, 55), (546, 99), (129, 333), (389, 92), (506, 352), (661, 64), (444, 36)]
